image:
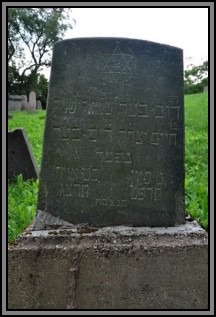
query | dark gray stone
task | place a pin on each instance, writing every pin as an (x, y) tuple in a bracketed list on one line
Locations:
[(20, 158), (114, 136)]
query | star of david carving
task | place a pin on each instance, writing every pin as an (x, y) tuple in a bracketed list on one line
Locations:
[(120, 66)]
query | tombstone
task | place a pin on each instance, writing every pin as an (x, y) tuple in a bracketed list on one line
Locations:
[(114, 136), (38, 105), (31, 107), (10, 116), (24, 105), (112, 155), (20, 157), (16, 102)]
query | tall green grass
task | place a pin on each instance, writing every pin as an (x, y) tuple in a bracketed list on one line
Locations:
[(22, 199), (22, 196), (196, 157)]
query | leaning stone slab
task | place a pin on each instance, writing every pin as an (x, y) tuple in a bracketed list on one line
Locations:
[(20, 157), (114, 135), (112, 268)]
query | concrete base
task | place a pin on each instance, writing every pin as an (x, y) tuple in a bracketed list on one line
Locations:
[(112, 268)]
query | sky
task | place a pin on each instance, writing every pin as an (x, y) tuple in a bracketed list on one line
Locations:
[(186, 28)]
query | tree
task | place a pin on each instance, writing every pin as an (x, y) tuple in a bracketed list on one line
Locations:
[(13, 80), (32, 33), (42, 90), (14, 49), (195, 78)]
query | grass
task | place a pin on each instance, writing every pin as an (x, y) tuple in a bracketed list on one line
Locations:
[(196, 157), (22, 196), (22, 199)]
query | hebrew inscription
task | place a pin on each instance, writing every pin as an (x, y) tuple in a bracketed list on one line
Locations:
[(114, 138)]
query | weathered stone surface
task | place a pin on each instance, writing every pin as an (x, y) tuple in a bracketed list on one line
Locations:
[(31, 107), (114, 136), (20, 157), (24, 103), (38, 105), (112, 268), (16, 102)]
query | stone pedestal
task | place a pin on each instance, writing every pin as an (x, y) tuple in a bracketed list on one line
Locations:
[(111, 268)]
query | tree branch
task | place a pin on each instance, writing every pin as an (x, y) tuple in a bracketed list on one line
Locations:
[(27, 68), (11, 51)]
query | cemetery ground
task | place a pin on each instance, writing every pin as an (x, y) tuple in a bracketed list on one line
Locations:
[(22, 195)]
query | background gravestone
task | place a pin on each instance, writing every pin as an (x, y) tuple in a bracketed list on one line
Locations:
[(114, 137), (16, 102), (38, 105), (20, 158), (32, 102), (24, 103)]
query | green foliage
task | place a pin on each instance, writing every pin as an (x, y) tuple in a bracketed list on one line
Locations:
[(195, 78), (13, 80), (21, 84), (14, 49), (33, 81), (196, 157), (22, 198), (42, 90), (32, 33)]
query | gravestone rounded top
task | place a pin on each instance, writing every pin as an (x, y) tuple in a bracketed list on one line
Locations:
[(32, 102), (114, 136), (116, 40)]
